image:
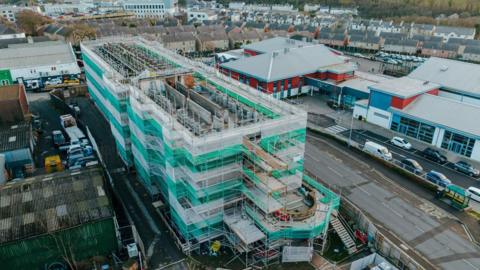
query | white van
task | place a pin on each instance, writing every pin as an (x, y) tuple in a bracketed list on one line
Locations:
[(377, 150)]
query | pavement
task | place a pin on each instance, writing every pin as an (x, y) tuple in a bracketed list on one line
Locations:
[(409, 219)]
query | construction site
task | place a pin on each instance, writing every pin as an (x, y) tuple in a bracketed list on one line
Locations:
[(225, 160)]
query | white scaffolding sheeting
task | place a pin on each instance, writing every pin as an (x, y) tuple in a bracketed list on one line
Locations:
[(244, 228), (297, 254)]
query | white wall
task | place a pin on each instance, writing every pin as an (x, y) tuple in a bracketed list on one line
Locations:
[(438, 137), (360, 111), (476, 151), (374, 118), (45, 71)]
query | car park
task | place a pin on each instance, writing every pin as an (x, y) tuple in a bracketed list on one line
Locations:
[(401, 142), (433, 155), (466, 168), (474, 193), (438, 178), (412, 165)]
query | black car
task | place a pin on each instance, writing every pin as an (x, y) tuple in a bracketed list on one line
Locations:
[(466, 168), (412, 166), (434, 155)]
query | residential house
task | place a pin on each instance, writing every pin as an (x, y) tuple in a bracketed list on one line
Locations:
[(364, 42), (180, 41), (7, 32), (237, 39), (447, 32), (406, 46), (471, 53), (422, 29), (212, 41)]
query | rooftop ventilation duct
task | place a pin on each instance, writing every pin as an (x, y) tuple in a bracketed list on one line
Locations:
[(444, 68)]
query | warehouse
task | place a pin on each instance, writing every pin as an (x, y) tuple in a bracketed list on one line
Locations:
[(16, 144), (421, 105), (295, 68), (226, 160), (39, 64), (60, 218)]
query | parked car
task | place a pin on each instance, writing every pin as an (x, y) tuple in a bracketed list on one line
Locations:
[(433, 155), (58, 137), (412, 165), (377, 150), (53, 81), (401, 142), (438, 178), (466, 168), (474, 193)]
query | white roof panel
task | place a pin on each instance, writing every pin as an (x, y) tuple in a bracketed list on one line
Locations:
[(404, 87), (286, 64), (275, 44), (454, 75), (37, 54), (438, 110)]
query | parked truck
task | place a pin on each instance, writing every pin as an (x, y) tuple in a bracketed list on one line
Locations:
[(69, 124)]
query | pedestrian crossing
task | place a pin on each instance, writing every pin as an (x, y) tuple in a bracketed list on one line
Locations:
[(336, 129)]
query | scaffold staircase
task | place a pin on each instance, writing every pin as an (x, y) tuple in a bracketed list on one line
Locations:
[(344, 232)]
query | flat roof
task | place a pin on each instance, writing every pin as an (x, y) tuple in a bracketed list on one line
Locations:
[(15, 137), (9, 92), (404, 87), (287, 63), (438, 110), (455, 75), (36, 54), (275, 44), (52, 202)]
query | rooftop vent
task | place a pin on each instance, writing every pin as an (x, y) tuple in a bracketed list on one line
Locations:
[(286, 50), (444, 68), (426, 82), (274, 54)]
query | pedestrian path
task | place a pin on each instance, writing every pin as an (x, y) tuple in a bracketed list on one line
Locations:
[(336, 129)]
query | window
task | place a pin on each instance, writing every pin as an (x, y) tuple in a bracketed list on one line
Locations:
[(458, 143), (380, 115), (414, 129)]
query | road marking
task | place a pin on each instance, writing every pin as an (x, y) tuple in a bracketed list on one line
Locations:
[(366, 192), (336, 129), (469, 263), (335, 172), (420, 229)]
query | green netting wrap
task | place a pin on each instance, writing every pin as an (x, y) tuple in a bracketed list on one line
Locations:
[(279, 142)]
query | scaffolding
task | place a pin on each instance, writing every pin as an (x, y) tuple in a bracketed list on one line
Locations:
[(226, 160)]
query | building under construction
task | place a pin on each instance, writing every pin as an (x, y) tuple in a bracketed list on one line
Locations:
[(226, 160)]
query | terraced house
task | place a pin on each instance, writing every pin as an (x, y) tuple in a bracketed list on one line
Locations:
[(226, 160)]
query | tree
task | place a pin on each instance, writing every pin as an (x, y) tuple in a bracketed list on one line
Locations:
[(29, 21), (81, 32)]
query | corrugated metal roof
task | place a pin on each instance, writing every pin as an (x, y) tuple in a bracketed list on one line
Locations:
[(48, 203), (438, 110), (37, 54), (275, 44), (404, 87), (15, 137), (286, 64), (454, 75)]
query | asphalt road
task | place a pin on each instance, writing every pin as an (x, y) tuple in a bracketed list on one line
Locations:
[(418, 224), (398, 153)]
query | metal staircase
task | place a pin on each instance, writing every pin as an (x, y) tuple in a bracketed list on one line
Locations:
[(344, 232)]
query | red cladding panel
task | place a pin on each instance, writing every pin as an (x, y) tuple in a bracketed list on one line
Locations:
[(253, 83), (250, 52), (433, 92)]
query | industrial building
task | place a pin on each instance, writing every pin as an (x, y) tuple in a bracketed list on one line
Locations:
[(438, 103), (16, 146), (285, 67), (151, 8), (225, 159), (55, 219), (38, 64), (13, 104)]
